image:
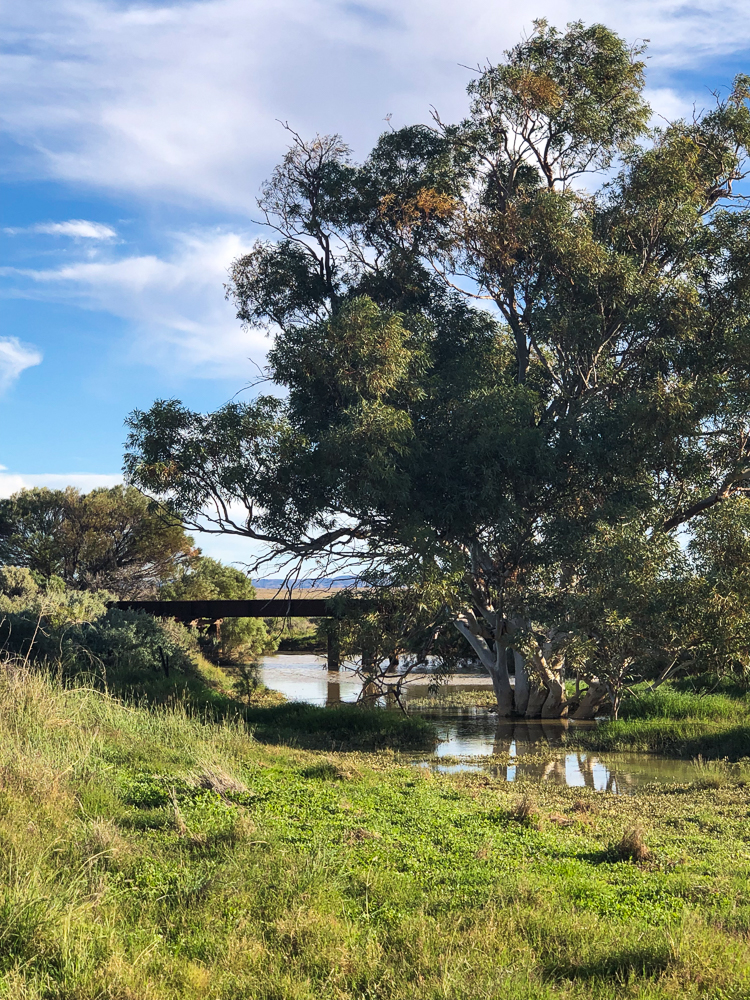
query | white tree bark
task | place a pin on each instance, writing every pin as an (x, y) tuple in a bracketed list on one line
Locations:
[(495, 664), (522, 685), (537, 698), (549, 667), (593, 701)]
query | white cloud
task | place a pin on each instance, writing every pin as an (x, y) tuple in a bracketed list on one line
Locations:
[(77, 228), (15, 357), (181, 320), (181, 99), (12, 482)]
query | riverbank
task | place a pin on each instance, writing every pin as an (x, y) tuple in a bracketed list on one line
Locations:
[(154, 853), (678, 722), (713, 722)]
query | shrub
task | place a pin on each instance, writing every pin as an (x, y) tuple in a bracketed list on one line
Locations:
[(76, 631)]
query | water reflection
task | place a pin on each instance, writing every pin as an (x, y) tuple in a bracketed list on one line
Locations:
[(522, 744), (333, 692), (305, 677)]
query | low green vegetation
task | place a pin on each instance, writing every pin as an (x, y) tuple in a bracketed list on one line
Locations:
[(149, 853), (447, 697), (298, 635), (712, 721), (127, 653)]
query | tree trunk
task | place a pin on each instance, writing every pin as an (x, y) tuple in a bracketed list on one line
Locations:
[(495, 663), (501, 683), (549, 667), (537, 698), (593, 701), (556, 703), (522, 685)]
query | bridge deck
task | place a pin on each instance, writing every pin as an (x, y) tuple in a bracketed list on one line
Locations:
[(295, 607)]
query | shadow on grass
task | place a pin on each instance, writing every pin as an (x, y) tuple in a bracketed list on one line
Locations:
[(206, 691), (343, 727), (615, 966), (734, 744)]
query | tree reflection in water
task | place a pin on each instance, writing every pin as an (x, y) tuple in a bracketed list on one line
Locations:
[(525, 741), (333, 691)]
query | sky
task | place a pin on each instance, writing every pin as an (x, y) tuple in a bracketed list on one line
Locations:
[(134, 138)]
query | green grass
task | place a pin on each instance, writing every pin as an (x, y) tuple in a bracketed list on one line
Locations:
[(448, 697), (677, 721), (150, 853), (671, 703), (343, 727), (214, 693)]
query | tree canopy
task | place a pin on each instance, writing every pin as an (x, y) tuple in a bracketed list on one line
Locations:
[(109, 539), (504, 343)]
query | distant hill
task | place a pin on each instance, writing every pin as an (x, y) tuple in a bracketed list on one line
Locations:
[(324, 583)]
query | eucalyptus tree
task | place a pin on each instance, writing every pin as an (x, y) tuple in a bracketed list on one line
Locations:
[(494, 337), (111, 539)]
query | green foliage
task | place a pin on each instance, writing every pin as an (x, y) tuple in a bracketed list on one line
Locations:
[(130, 653), (206, 579), (51, 600), (395, 630), (678, 720), (580, 90), (566, 433), (110, 539)]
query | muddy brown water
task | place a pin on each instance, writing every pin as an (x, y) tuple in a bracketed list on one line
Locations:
[(477, 733)]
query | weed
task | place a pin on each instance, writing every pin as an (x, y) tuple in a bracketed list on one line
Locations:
[(632, 846), (583, 806), (526, 810), (559, 820), (217, 780)]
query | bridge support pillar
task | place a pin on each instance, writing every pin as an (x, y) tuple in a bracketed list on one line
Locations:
[(334, 648)]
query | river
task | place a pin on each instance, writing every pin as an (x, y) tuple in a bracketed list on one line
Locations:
[(477, 733)]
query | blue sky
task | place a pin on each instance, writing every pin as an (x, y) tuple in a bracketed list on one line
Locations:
[(134, 138)]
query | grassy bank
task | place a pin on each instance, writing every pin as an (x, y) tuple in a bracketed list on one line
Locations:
[(677, 721), (214, 693), (448, 697), (150, 854)]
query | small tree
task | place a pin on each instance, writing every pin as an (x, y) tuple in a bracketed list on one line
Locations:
[(109, 539), (393, 631), (239, 640)]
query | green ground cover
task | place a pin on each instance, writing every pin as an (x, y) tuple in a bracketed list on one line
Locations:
[(447, 697), (685, 720), (150, 853)]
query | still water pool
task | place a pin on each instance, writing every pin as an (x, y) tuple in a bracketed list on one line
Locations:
[(478, 733)]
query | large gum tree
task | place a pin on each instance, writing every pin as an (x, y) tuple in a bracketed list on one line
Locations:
[(495, 339)]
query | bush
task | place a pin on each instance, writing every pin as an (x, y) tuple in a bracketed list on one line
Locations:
[(240, 640), (76, 630)]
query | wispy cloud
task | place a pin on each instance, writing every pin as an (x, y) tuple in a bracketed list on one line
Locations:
[(181, 320), (12, 482), (77, 228), (180, 100), (15, 358)]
